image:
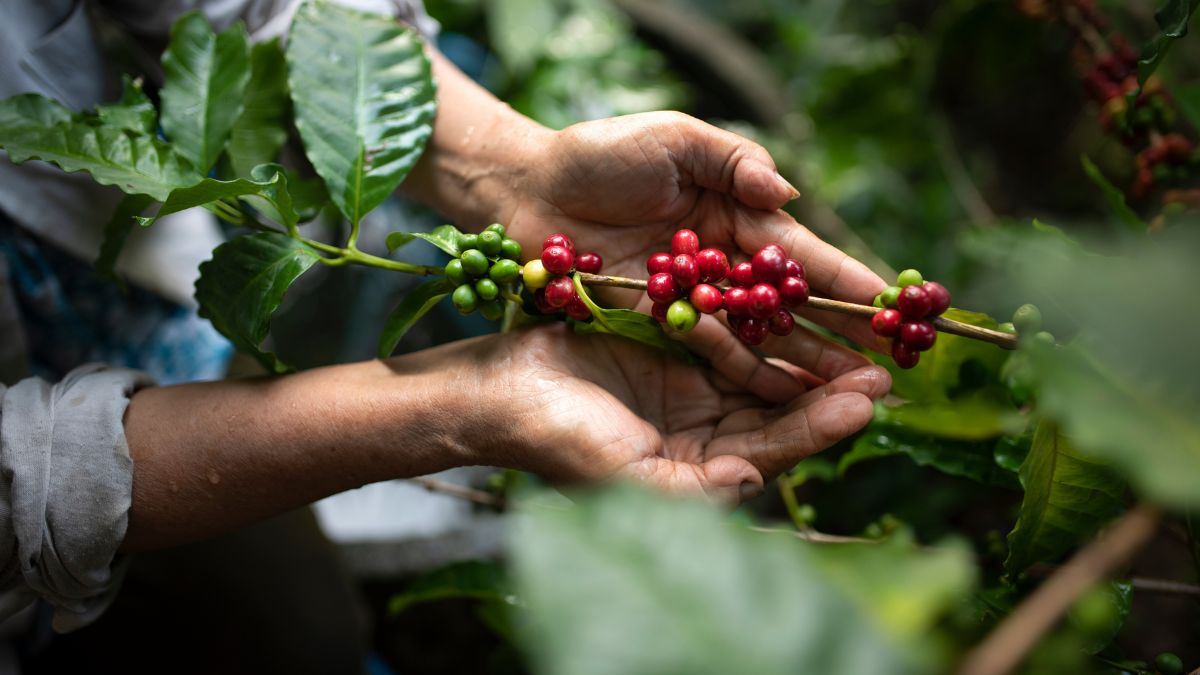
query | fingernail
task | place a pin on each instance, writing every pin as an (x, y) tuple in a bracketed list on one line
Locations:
[(749, 490), (790, 188)]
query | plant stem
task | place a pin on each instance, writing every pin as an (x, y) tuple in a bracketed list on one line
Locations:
[(355, 256)]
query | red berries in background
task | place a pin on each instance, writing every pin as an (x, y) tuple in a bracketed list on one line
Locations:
[(939, 297), (588, 262), (577, 310), (742, 274), (659, 262), (685, 242), (685, 271), (768, 264), (713, 264), (706, 298), (559, 239), (793, 268), (661, 287), (793, 291), (752, 331), (737, 302), (917, 335), (559, 292), (558, 259), (886, 323), (782, 323), (659, 311), (764, 301), (908, 311), (903, 356)]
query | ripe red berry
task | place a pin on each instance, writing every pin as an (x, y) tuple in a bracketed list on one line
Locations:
[(658, 310), (685, 271), (659, 262), (939, 297), (793, 268), (713, 264), (793, 291), (768, 264), (589, 262), (577, 310), (706, 298), (914, 302), (903, 356), (917, 335), (782, 323), (742, 275), (558, 260), (539, 299), (737, 301), (886, 323), (685, 242), (753, 331), (764, 301), (662, 288), (559, 292), (559, 239)]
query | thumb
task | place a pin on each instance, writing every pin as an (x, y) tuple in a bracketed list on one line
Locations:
[(723, 161)]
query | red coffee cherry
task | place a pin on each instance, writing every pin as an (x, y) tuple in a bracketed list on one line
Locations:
[(768, 264), (793, 291), (685, 242), (939, 297), (589, 262), (782, 323), (903, 356), (886, 323), (753, 331), (658, 310), (685, 270), (793, 268), (559, 239), (577, 310), (539, 299), (764, 301), (558, 260), (659, 263), (914, 302), (742, 275), (917, 335), (737, 301), (706, 298), (559, 292), (713, 264), (662, 288)]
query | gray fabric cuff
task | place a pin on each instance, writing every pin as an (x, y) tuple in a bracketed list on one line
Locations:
[(66, 484)]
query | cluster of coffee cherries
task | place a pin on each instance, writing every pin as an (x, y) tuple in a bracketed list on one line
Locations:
[(683, 284), (486, 267), (907, 313), (549, 277)]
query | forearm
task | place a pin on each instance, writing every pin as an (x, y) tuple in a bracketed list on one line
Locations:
[(478, 155)]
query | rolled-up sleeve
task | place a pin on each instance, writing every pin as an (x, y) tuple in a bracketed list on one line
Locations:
[(66, 484)]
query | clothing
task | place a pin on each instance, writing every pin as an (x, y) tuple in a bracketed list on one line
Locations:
[(65, 470)]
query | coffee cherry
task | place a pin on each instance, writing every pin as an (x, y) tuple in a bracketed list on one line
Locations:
[(742, 275), (681, 316), (764, 301), (735, 322), (505, 271), (466, 241), (713, 264), (939, 297), (510, 248), (782, 323), (492, 310), (464, 299), (1027, 319), (474, 262), (1007, 327), (737, 302), (877, 302), (768, 265), (589, 262), (909, 277), (886, 323), (539, 299), (658, 263), (706, 298), (490, 242), (793, 291), (558, 260), (577, 310), (914, 302), (793, 268), (903, 356), (535, 275), (1044, 337), (753, 331), (455, 273), (685, 242), (495, 227), (685, 271), (918, 335), (890, 296), (559, 239), (662, 288), (658, 310), (1168, 664), (559, 292), (487, 289)]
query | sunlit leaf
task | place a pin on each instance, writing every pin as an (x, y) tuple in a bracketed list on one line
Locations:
[(476, 580), (261, 130), (627, 323), (1172, 17), (134, 111)]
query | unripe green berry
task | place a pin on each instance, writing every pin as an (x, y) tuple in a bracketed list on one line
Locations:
[(909, 277), (489, 243), (681, 316), (890, 296), (1027, 319), (474, 262), (1007, 327), (1044, 337), (455, 273), (466, 241), (878, 301), (464, 299), (492, 310), (495, 227), (504, 271), (487, 289), (535, 275), (511, 249), (1168, 663)]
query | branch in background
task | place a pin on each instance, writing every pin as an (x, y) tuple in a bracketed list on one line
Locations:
[(460, 491), (961, 184)]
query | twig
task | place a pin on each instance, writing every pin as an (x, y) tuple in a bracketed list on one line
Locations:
[(1005, 340), (1007, 645), (961, 184), (460, 491), (1165, 586), (811, 535)]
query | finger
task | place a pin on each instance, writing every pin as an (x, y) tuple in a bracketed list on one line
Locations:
[(726, 479), (812, 352), (733, 360), (723, 161), (870, 381)]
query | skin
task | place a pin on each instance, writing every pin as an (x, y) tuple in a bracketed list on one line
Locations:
[(214, 456)]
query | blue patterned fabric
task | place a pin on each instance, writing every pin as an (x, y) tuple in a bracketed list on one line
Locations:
[(71, 316)]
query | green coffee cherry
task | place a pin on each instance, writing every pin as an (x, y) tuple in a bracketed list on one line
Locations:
[(1027, 319), (890, 295), (535, 275), (909, 277), (495, 227), (878, 301), (464, 299), (455, 273), (681, 316), (504, 271), (487, 289), (489, 243), (474, 262), (511, 249), (466, 241), (1007, 327), (1168, 664), (492, 310), (1095, 613), (1044, 337)]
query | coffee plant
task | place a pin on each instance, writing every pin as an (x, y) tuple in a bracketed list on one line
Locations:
[(1084, 449)]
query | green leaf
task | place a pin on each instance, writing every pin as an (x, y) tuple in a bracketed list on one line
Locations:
[(1112, 195), (474, 579), (397, 240), (269, 184), (444, 237), (117, 231), (34, 127), (1068, 497), (632, 582), (1172, 18), (261, 130), (518, 30), (410, 310), (627, 323), (364, 101), (1100, 613), (972, 418), (133, 112), (939, 377), (1188, 98), (243, 284), (967, 459), (205, 77)]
